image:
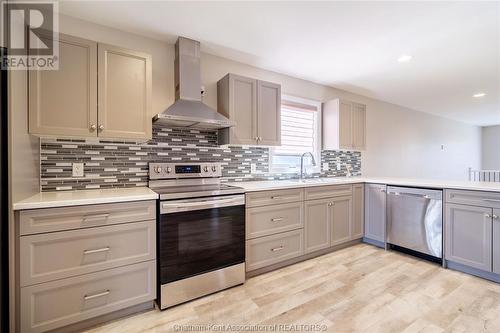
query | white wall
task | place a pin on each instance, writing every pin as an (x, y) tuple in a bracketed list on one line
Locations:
[(400, 142), (490, 144)]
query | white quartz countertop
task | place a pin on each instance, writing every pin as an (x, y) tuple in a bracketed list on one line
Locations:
[(85, 197), (253, 186)]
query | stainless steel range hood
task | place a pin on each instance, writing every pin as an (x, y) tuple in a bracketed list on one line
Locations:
[(188, 109)]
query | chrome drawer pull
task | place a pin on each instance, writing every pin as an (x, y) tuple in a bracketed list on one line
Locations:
[(275, 197), (491, 200), (277, 219), (279, 248), (495, 217), (104, 293), (95, 217), (488, 216), (104, 249)]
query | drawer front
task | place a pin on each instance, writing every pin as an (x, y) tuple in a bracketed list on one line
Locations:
[(59, 303), (268, 250), (265, 198), (85, 251), (268, 220), (320, 192), (66, 218), (473, 198)]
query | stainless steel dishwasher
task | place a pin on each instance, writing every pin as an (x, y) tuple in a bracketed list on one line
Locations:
[(415, 220)]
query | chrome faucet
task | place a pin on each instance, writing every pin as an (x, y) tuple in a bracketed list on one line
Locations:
[(348, 168), (302, 163)]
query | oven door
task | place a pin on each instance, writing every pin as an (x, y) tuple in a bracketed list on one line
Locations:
[(200, 235)]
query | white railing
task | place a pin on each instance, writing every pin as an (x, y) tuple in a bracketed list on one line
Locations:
[(484, 175)]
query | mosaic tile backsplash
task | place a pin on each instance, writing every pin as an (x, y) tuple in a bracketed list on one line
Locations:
[(110, 163)]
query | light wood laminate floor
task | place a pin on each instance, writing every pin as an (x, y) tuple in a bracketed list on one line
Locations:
[(357, 289)]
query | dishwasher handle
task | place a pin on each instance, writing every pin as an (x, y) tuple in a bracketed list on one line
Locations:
[(423, 196)]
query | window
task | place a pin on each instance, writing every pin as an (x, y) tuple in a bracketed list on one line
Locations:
[(300, 133)]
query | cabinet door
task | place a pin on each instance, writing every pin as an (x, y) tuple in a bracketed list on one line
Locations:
[(345, 125), (64, 101), (269, 113), (468, 236), (358, 126), (124, 93), (358, 212), (340, 230), (317, 224), (496, 241), (375, 212), (243, 109)]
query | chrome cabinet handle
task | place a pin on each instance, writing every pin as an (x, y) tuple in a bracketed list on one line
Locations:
[(97, 217), (495, 217), (275, 197), (330, 204), (104, 293), (101, 127), (279, 248), (277, 219), (93, 127), (104, 249), (382, 190), (488, 216), (491, 200)]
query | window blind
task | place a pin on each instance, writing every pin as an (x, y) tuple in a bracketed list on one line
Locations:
[(298, 130)]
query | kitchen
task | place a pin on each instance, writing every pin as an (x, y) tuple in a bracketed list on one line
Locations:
[(171, 174)]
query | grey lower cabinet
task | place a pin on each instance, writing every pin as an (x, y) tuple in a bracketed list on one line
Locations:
[(341, 221), (317, 224), (468, 236), (496, 241), (105, 262), (375, 212), (274, 227), (254, 105), (358, 211)]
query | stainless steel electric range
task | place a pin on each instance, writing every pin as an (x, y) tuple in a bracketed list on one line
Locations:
[(201, 231)]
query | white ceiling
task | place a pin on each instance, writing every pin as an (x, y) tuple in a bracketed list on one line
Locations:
[(348, 45)]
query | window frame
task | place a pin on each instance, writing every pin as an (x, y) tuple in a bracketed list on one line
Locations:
[(277, 168)]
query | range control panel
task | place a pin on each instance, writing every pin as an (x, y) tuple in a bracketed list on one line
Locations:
[(184, 170)]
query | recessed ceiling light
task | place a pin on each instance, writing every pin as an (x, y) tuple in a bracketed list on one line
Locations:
[(478, 95), (404, 58)]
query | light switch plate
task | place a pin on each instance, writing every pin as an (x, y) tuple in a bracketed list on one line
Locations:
[(77, 169)]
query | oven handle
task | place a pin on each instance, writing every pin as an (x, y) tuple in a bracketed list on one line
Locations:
[(186, 206)]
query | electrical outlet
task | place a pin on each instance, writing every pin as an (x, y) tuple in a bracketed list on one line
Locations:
[(77, 169), (443, 147), (253, 168), (326, 166), (339, 166)]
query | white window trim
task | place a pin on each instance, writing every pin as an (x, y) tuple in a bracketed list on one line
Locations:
[(318, 144)]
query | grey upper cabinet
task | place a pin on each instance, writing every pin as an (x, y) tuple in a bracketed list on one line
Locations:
[(468, 236), (344, 125), (254, 105), (64, 102), (340, 230), (496, 241), (358, 212), (99, 90), (375, 211), (237, 100), (317, 224), (124, 93), (269, 113)]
